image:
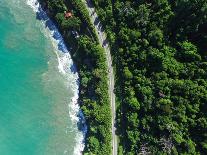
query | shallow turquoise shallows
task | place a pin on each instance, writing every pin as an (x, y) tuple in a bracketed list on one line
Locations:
[(34, 96)]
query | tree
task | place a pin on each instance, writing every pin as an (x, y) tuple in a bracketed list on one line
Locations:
[(127, 73), (94, 145), (188, 52)]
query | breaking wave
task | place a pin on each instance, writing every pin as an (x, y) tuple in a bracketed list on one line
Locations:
[(68, 69)]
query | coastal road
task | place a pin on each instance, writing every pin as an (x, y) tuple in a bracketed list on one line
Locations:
[(103, 41)]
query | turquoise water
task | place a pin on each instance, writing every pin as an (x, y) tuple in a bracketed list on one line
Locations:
[(35, 97)]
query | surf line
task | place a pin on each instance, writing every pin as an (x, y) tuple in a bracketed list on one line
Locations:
[(68, 68)]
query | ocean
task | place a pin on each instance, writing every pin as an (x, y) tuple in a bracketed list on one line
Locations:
[(38, 85)]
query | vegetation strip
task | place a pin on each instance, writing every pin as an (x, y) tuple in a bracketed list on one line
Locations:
[(104, 42)]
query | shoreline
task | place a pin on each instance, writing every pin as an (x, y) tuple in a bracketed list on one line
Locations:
[(77, 115), (90, 58)]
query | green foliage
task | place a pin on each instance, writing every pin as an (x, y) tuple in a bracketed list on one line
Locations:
[(68, 24), (96, 107), (79, 6), (56, 6), (93, 144), (160, 54), (127, 74), (188, 52)]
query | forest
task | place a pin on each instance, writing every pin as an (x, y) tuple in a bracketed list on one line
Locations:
[(160, 57), (73, 21)]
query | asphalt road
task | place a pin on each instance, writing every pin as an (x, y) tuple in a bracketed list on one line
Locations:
[(103, 41)]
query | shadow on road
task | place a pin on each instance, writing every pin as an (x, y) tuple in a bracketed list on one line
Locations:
[(89, 4), (96, 21)]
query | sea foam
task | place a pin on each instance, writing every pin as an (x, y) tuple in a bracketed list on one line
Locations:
[(68, 69)]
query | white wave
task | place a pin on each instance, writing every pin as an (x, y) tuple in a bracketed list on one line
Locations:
[(64, 66), (33, 4)]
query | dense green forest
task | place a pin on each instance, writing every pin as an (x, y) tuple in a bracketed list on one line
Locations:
[(159, 53), (90, 59)]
